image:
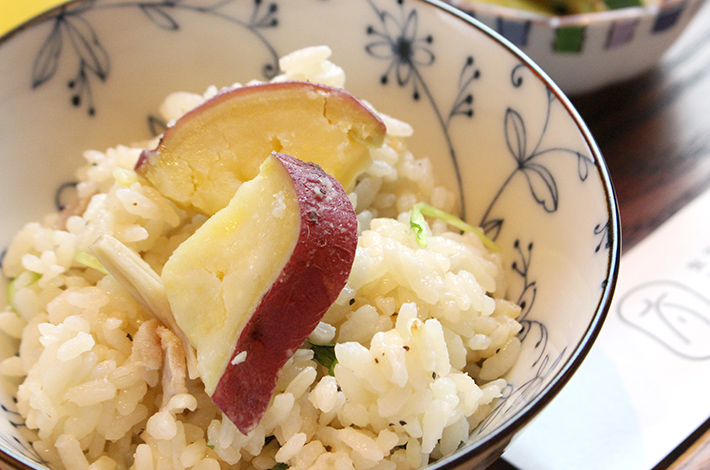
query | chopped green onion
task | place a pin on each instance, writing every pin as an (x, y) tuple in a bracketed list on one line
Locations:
[(422, 209), (324, 354), (89, 261), (280, 466), (417, 222), (24, 279)]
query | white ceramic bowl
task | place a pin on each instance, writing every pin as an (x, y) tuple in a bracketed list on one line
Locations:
[(585, 52), (92, 74)]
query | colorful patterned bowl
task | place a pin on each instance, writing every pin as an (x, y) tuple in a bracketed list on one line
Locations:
[(585, 52), (92, 73)]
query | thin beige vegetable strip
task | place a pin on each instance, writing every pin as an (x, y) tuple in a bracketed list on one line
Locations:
[(144, 284)]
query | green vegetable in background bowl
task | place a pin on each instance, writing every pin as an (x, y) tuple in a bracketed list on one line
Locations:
[(566, 7)]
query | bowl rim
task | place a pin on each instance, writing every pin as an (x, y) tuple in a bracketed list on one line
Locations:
[(492, 440), (572, 20)]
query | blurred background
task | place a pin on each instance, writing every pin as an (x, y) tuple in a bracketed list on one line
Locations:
[(14, 12)]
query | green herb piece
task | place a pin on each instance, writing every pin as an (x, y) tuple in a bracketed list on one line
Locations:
[(89, 261), (24, 279), (280, 466), (417, 222), (324, 354), (422, 209), (211, 446)]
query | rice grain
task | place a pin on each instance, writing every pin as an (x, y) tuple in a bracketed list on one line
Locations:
[(415, 329)]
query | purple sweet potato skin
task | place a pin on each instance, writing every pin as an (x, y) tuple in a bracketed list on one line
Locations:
[(294, 304)]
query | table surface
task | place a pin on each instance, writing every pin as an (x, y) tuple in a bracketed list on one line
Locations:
[(654, 133)]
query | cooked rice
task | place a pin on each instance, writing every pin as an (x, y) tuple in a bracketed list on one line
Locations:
[(423, 334)]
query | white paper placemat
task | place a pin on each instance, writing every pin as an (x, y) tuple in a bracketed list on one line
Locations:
[(645, 385)]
